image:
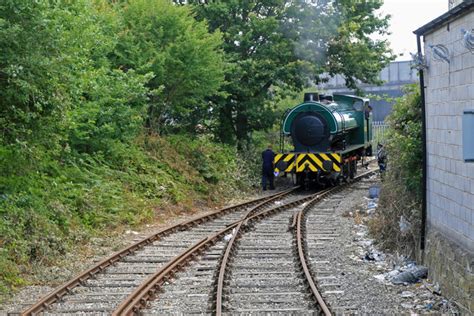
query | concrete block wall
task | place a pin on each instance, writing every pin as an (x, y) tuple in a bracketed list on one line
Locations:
[(450, 219), (450, 91)]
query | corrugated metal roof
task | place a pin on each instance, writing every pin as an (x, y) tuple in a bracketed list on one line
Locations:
[(461, 9)]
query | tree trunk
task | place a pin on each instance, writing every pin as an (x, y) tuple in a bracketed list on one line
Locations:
[(226, 129), (242, 130)]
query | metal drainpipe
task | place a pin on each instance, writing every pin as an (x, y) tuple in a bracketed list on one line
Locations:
[(423, 139)]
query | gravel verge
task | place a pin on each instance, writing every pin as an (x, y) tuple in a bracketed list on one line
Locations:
[(353, 274)]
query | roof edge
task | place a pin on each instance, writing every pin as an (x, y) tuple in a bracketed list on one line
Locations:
[(460, 9)]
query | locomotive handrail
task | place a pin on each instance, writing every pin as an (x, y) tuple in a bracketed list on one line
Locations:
[(282, 133)]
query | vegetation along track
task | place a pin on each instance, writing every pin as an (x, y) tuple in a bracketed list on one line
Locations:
[(102, 287)]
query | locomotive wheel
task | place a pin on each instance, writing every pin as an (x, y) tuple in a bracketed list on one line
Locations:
[(337, 181)]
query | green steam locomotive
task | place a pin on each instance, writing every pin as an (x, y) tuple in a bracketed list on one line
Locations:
[(329, 135)]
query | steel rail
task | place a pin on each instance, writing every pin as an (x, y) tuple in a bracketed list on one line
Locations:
[(229, 249), (148, 289), (222, 270), (66, 288), (138, 298), (298, 223), (309, 278)]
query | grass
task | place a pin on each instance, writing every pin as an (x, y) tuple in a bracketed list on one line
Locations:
[(53, 204)]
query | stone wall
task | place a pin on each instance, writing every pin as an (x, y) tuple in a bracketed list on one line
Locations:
[(452, 268), (450, 219)]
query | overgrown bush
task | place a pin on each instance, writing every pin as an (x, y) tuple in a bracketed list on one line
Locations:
[(397, 225), (48, 205), (78, 82)]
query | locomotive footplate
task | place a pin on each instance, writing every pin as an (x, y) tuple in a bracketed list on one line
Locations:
[(299, 162)]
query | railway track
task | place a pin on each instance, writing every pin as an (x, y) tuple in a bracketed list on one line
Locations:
[(262, 274), (101, 288), (236, 263), (258, 271), (326, 251)]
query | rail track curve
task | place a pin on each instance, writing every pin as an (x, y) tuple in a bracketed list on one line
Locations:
[(130, 281)]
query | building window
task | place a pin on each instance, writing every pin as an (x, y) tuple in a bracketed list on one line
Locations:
[(468, 135)]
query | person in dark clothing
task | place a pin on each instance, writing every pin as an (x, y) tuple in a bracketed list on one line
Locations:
[(381, 158), (267, 168)]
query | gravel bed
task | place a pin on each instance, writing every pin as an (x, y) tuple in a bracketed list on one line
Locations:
[(337, 246), (265, 274), (192, 290), (99, 248), (154, 256)]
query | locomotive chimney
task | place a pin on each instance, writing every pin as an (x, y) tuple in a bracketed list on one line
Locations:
[(311, 97)]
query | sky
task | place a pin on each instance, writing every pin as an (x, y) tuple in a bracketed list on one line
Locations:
[(407, 16)]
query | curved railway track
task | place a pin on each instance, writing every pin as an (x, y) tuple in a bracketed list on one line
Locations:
[(235, 261), (263, 274), (101, 288)]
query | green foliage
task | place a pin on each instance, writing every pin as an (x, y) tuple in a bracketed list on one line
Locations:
[(48, 206), (214, 163), (30, 47), (73, 161), (10, 272), (260, 55), (88, 86), (112, 110), (278, 46), (402, 185), (184, 60), (404, 140), (58, 80)]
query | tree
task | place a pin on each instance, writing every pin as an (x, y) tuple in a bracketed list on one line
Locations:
[(183, 60), (405, 141), (33, 74), (284, 44), (352, 52), (259, 55), (57, 88)]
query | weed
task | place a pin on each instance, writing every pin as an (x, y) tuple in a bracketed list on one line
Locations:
[(397, 225), (52, 205)]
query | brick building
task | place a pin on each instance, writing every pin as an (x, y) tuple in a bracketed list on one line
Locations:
[(449, 105)]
